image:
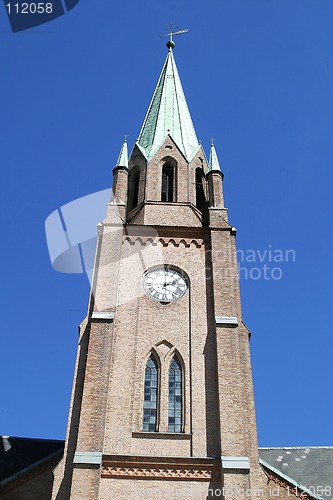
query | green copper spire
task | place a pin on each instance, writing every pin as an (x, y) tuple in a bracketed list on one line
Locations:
[(168, 114), (123, 155), (213, 159)]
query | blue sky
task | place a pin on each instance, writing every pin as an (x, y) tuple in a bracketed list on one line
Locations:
[(258, 77)]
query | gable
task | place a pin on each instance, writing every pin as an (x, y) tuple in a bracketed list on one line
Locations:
[(20, 456)]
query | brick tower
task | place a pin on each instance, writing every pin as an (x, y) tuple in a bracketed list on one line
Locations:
[(162, 403)]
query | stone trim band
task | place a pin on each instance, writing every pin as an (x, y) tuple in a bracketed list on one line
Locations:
[(103, 315), (226, 320), (88, 457), (236, 463)]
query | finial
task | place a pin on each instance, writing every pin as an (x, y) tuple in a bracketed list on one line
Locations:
[(123, 155), (170, 43), (213, 163)]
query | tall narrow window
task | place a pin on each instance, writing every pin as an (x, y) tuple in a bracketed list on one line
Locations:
[(150, 396), (136, 183), (167, 183), (175, 397), (199, 190)]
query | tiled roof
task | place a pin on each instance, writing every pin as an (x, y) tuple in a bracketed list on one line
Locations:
[(311, 466), (18, 455)]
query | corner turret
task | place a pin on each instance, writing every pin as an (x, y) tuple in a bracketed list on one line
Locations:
[(120, 177), (215, 178)]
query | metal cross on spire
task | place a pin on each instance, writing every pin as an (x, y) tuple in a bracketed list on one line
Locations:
[(170, 44)]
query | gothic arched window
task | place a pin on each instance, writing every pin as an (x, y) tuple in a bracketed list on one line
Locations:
[(150, 396), (175, 396), (136, 184), (199, 190), (167, 183)]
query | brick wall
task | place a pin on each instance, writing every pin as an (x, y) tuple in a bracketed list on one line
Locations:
[(218, 404)]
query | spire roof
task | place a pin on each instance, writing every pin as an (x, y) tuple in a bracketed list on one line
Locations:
[(213, 159), (123, 156), (168, 114)]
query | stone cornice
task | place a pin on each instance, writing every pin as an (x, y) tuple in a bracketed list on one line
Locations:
[(171, 231)]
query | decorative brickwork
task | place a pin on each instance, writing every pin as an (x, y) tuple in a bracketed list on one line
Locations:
[(176, 242), (160, 468)]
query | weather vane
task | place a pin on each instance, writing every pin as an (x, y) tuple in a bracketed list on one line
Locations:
[(170, 44)]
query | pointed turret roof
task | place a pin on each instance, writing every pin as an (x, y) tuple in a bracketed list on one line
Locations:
[(213, 159), (168, 114), (123, 156)]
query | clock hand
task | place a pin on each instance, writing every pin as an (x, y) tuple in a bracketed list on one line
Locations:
[(173, 283)]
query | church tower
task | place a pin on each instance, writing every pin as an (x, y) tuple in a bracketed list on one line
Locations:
[(162, 403)]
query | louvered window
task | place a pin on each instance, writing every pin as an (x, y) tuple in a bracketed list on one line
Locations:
[(167, 183), (136, 184)]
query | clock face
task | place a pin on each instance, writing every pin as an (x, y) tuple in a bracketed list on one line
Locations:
[(165, 285)]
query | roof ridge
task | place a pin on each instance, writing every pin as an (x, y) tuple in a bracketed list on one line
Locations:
[(177, 107), (33, 439), (292, 447)]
